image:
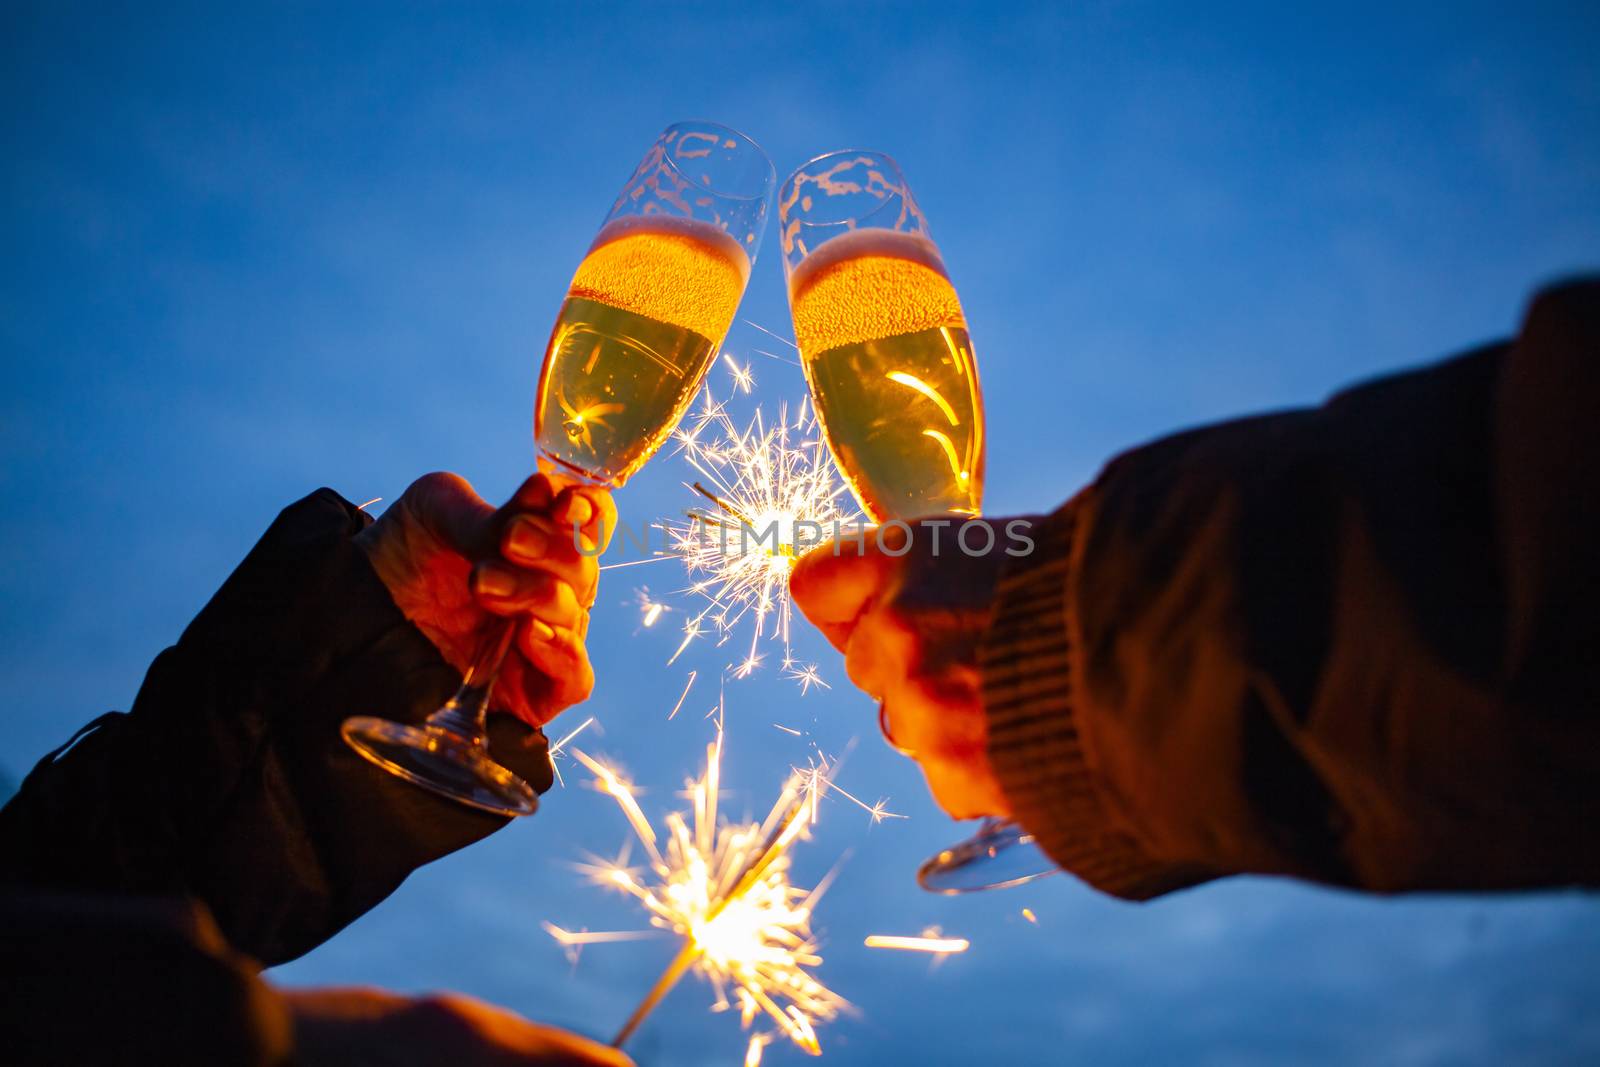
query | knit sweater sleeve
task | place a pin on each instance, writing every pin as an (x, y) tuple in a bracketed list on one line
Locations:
[(1351, 643)]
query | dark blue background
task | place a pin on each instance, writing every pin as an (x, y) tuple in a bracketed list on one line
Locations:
[(250, 252)]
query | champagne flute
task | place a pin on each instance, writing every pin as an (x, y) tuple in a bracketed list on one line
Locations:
[(644, 316), (894, 383)]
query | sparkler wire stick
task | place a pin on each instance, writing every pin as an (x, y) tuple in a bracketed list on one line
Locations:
[(669, 978)]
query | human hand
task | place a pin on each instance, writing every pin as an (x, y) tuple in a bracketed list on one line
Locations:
[(375, 1028), (909, 626), (455, 566)]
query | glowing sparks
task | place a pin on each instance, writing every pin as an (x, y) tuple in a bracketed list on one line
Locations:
[(568, 938), (724, 888), (608, 781), (682, 696), (940, 945), (743, 378), (555, 749), (1027, 913), (650, 610), (806, 675), (777, 337), (752, 1052), (572, 942), (819, 779), (774, 493), (691, 630)]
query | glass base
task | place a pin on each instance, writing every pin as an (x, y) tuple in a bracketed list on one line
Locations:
[(441, 761), (1000, 855)]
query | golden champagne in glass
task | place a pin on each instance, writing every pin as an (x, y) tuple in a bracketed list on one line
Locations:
[(641, 323), (886, 352), (895, 383)]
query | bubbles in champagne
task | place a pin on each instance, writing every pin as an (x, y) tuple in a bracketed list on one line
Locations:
[(641, 323), (867, 285), (676, 270), (891, 368)]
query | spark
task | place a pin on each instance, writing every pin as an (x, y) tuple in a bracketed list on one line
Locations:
[(723, 887), (769, 333), (572, 942), (633, 563), (774, 355), (774, 493), (691, 630), (743, 378), (807, 676), (368, 504), (752, 1052), (593, 937), (820, 778), (787, 729), (555, 749), (1027, 913), (609, 781), (939, 945), (650, 610), (683, 696)]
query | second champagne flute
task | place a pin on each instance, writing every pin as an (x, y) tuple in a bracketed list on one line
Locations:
[(641, 324), (894, 382)]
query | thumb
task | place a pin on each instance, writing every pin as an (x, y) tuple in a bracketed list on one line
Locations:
[(448, 508), (834, 584)]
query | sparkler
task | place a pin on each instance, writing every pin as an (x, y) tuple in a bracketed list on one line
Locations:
[(723, 887), (774, 493), (940, 945)]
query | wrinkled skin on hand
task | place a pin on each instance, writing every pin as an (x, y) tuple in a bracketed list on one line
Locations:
[(456, 567), (909, 627), (355, 1027)]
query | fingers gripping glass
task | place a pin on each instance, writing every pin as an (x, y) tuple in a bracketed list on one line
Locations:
[(894, 382), (640, 326)]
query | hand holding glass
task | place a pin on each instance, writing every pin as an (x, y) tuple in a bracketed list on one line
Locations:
[(884, 345), (641, 324)]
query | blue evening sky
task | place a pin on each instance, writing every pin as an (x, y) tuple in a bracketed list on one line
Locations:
[(251, 252)]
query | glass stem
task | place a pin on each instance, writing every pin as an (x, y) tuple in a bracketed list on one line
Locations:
[(464, 713)]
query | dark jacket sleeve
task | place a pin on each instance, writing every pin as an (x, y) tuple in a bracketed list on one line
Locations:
[(229, 782), (1358, 644), (130, 980)]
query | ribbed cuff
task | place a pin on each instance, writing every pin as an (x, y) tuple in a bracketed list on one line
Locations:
[(1030, 667)]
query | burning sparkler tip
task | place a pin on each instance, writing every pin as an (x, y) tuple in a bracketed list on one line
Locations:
[(724, 888)]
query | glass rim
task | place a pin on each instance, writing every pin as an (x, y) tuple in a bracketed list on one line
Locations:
[(904, 186), (832, 152), (772, 172)]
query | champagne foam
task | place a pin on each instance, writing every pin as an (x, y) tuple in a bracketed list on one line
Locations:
[(679, 271), (868, 285)]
